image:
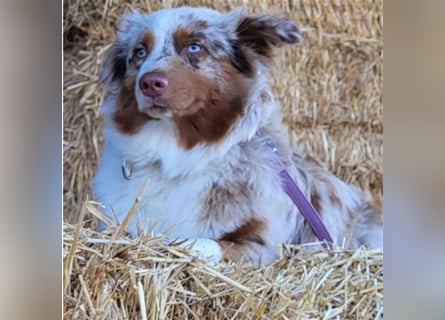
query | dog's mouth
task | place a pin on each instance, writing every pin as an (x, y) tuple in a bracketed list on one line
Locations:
[(155, 108), (158, 111), (161, 109)]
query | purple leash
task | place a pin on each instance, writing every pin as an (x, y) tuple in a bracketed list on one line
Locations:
[(306, 208)]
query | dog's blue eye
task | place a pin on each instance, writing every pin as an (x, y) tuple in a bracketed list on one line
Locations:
[(141, 52), (194, 48)]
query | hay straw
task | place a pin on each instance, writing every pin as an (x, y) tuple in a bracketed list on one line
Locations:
[(123, 226), (330, 90), (141, 296), (144, 276)]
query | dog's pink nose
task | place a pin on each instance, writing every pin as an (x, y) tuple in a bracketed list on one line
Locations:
[(153, 84)]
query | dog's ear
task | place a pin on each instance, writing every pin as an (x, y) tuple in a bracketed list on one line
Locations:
[(129, 21), (263, 33), (114, 65)]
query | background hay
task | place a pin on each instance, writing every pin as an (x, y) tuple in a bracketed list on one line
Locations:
[(330, 89)]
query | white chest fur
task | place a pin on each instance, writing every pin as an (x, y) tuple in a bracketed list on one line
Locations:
[(165, 204)]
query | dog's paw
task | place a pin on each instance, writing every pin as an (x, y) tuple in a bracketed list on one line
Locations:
[(203, 248)]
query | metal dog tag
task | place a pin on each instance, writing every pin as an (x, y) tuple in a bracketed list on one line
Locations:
[(127, 169)]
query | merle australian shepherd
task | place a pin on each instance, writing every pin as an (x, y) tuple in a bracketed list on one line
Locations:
[(189, 107)]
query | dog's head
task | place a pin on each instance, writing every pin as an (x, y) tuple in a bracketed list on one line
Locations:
[(193, 66)]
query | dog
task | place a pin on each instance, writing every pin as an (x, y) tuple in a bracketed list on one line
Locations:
[(188, 107)]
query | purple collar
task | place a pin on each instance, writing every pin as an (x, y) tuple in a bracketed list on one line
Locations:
[(304, 206)]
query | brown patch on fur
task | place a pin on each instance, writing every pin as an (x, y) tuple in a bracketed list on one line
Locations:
[(335, 200), (333, 197), (188, 90), (148, 39), (250, 231), (245, 241), (194, 58), (181, 38), (230, 202), (195, 31), (127, 117), (209, 124), (316, 200), (322, 176), (205, 108)]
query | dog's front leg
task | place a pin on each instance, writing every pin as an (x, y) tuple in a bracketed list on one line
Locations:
[(204, 248), (215, 250)]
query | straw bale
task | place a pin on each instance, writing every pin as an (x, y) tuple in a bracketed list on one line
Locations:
[(109, 277), (330, 89)]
